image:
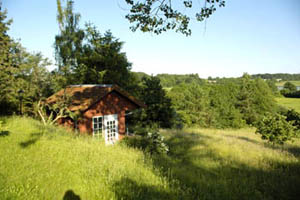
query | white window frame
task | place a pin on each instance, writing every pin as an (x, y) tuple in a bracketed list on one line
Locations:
[(98, 128)]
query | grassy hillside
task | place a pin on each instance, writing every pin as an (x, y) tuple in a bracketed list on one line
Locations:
[(38, 163), (47, 163), (290, 103)]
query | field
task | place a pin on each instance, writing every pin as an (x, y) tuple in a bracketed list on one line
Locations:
[(39, 162), (297, 83), (290, 103)]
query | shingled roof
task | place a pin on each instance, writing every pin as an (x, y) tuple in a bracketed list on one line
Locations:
[(84, 96)]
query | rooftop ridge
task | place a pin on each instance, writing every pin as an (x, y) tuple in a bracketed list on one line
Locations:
[(92, 85)]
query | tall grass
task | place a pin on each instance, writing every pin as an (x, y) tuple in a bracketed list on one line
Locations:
[(232, 164), (39, 162), (45, 163)]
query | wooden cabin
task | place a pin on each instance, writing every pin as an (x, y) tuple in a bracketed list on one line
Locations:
[(101, 108)]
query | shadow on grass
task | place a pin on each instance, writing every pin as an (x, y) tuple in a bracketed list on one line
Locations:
[(34, 137), (70, 195), (294, 150), (127, 189), (4, 133), (201, 172), (244, 139)]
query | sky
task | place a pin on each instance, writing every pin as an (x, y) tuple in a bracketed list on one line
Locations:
[(253, 36)]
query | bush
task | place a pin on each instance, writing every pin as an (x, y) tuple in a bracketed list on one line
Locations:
[(292, 94), (275, 129), (149, 142), (293, 117)]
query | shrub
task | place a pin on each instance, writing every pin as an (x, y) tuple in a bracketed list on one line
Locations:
[(149, 142), (295, 94), (275, 129), (293, 117)]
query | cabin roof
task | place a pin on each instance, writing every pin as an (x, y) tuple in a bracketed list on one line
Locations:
[(82, 97)]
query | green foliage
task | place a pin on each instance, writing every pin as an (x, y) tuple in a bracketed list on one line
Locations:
[(191, 103), (290, 90), (275, 129), (171, 80), (254, 99), (223, 106), (272, 85), (282, 76), (160, 16), (226, 103), (293, 117), (150, 142), (159, 111), (85, 56), (290, 87), (295, 94), (20, 70)]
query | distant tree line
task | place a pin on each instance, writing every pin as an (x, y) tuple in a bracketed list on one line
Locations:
[(282, 76)]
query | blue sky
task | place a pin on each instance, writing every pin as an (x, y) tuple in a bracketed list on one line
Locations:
[(254, 36)]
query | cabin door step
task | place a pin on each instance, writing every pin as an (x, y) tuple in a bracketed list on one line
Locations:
[(111, 128)]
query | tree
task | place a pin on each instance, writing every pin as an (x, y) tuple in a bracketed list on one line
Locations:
[(19, 70), (85, 56), (102, 61), (68, 44), (254, 99), (7, 65), (275, 129), (159, 111), (158, 16), (290, 87)]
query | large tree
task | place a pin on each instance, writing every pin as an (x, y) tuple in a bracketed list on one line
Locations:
[(19, 71), (68, 44), (159, 111), (161, 15), (85, 56)]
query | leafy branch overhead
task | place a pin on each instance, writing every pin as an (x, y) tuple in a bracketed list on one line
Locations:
[(158, 16)]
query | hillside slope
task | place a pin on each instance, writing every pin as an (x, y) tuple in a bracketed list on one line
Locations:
[(39, 163), (51, 163)]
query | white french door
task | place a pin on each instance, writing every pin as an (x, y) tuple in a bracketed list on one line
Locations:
[(111, 128)]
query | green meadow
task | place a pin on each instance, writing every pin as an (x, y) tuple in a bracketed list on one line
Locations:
[(289, 103), (38, 162)]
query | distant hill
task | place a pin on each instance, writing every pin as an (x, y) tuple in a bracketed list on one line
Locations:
[(282, 76)]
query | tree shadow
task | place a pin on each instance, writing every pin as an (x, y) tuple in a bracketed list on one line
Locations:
[(244, 139), (128, 189), (4, 133), (34, 137), (70, 195), (292, 149), (203, 173)]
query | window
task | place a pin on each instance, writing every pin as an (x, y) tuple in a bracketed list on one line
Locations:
[(97, 126)]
